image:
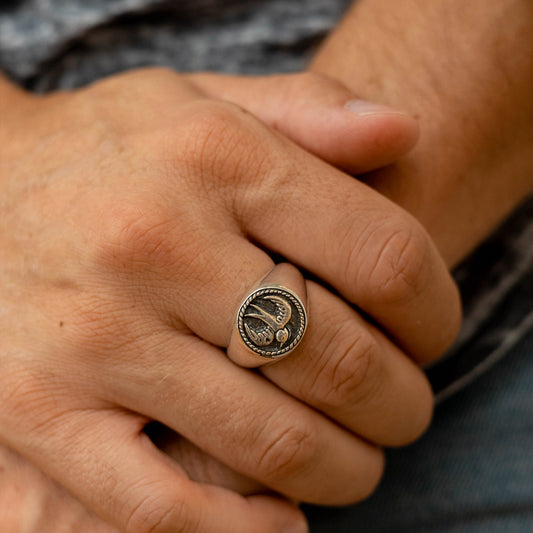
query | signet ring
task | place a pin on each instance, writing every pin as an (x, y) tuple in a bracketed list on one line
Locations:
[(272, 319)]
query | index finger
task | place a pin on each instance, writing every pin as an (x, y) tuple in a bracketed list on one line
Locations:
[(370, 250)]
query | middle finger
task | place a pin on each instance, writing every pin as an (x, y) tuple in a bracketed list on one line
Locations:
[(344, 367)]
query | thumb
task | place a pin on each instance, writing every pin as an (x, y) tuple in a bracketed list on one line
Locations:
[(321, 115)]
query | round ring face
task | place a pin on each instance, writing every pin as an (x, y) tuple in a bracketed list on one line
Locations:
[(272, 321)]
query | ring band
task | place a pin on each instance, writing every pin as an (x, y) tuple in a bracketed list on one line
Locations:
[(272, 319)]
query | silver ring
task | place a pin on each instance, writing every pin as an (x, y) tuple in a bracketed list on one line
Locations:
[(272, 319)]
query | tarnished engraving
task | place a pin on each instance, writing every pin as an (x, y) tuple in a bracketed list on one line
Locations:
[(272, 321)]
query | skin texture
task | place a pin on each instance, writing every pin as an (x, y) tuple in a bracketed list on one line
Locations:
[(465, 70), (127, 221)]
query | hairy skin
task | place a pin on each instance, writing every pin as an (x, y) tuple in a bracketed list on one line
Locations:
[(465, 70)]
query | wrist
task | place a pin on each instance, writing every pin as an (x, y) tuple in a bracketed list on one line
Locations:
[(467, 79)]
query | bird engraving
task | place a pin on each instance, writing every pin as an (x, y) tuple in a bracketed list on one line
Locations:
[(273, 323)]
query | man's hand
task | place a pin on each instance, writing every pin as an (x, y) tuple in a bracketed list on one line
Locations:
[(32, 503), (135, 216), (465, 69)]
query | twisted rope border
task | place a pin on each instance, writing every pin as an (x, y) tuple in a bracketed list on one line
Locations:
[(272, 290)]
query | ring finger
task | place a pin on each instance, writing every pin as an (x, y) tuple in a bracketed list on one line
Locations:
[(344, 367)]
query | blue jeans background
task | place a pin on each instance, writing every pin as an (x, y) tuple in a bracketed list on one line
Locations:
[(471, 473)]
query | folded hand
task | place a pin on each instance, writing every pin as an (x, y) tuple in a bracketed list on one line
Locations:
[(136, 214)]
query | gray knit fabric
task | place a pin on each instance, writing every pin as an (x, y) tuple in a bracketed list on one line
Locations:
[(49, 44), (46, 44)]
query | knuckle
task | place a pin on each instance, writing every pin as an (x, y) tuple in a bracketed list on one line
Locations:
[(159, 513), (288, 452), (219, 142), (134, 238), (399, 270), (348, 367)]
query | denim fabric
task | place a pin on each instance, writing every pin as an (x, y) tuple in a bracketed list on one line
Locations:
[(471, 473)]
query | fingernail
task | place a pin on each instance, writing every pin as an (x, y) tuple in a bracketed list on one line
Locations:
[(362, 107)]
